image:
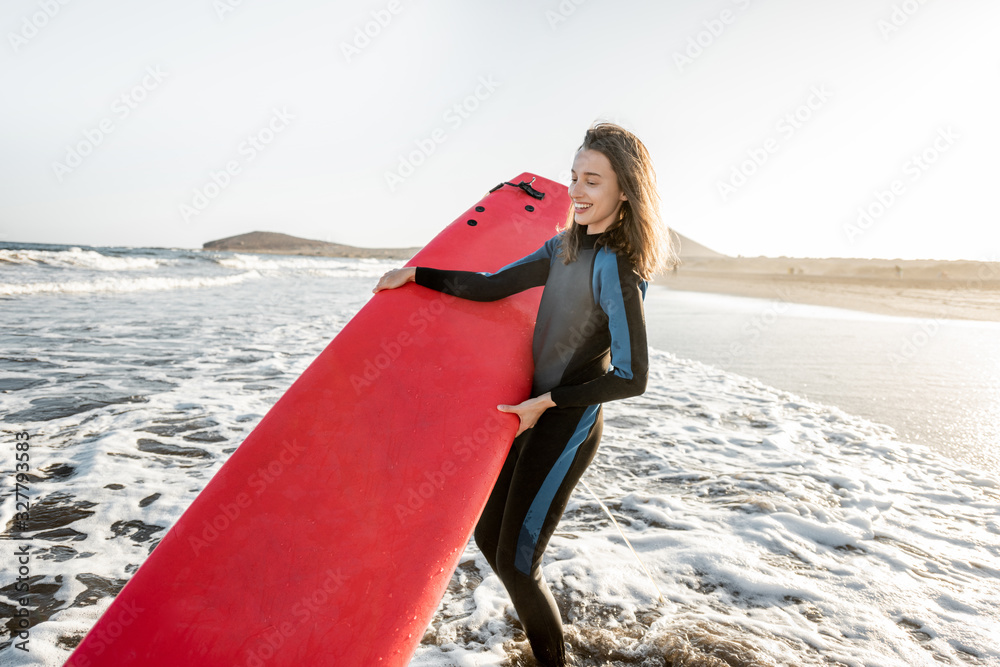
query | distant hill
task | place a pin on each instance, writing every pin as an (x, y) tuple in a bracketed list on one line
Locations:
[(689, 248), (282, 244)]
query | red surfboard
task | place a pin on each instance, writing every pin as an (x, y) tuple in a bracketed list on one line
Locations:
[(329, 536)]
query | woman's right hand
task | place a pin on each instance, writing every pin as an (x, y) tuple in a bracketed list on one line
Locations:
[(395, 278)]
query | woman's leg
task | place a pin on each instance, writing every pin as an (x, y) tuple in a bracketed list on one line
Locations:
[(487, 533), (549, 463)]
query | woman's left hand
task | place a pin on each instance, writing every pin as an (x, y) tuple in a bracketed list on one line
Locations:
[(529, 411)]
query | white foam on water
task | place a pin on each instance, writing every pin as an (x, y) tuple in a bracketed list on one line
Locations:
[(78, 258), (312, 265), (780, 531), (124, 284), (27, 272)]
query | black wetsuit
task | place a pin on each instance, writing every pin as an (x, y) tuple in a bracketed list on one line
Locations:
[(589, 346)]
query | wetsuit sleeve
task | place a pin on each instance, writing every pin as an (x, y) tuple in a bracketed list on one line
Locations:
[(527, 272), (619, 291)]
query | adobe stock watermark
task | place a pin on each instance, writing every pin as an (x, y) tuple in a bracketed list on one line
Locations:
[(757, 325), (121, 108), (522, 222), (433, 481), (225, 7), (705, 38), (257, 481), (301, 611), (901, 14), (562, 12), (786, 128), (390, 349), (34, 24), (911, 345), (454, 117), (912, 171), (98, 641), (365, 34), (248, 150), (609, 312)]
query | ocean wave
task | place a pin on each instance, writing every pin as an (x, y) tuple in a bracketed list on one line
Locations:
[(315, 265), (78, 258), (150, 283), (329, 267)]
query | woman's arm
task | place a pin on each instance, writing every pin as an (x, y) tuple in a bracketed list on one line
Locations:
[(527, 272), (529, 411), (395, 278)]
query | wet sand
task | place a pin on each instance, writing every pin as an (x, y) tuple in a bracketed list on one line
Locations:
[(924, 288)]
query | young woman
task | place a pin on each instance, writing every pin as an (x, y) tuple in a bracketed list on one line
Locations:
[(589, 347)]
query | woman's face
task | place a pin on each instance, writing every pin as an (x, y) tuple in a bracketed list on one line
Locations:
[(595, 192)]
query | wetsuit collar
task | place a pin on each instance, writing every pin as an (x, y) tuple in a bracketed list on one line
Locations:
[(588, 241)]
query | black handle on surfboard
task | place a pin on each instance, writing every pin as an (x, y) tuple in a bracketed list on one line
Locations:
[(524, 185)]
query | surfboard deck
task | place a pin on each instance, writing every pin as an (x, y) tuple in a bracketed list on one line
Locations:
[(330, 534)]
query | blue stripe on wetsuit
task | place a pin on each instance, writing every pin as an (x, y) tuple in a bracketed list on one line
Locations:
[(607, 288), (539, 507)]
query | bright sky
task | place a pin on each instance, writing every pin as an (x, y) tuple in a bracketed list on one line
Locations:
[(771, 123)]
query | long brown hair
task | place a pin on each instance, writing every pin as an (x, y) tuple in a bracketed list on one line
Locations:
[(639, 232)]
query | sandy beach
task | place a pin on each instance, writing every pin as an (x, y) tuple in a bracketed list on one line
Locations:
[(923, 288)]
